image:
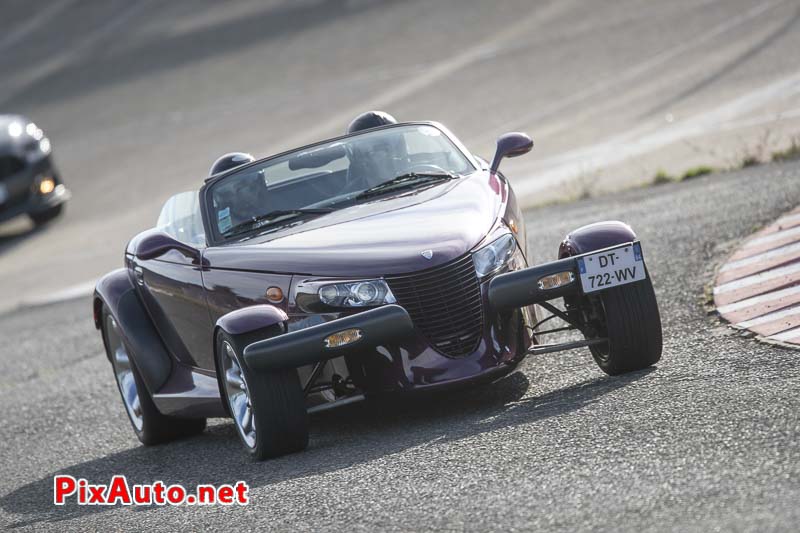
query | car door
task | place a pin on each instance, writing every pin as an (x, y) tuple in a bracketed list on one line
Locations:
[(172, 288), (172, 284)]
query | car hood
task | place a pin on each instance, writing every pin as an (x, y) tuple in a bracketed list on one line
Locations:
[(389, 236)]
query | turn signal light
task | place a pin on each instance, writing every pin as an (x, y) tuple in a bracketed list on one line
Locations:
[(554, 281), (343, 338), (47, 185), (274, 294)]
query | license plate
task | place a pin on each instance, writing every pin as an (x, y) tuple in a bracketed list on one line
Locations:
[(611, 267), (3, 194)]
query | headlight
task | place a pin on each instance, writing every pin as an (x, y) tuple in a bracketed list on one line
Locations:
[(494, 255), (356, 294)]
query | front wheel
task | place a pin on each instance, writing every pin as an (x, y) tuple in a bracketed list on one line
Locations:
[(268, 408), (628, 317), (150, 426), (43, 217)]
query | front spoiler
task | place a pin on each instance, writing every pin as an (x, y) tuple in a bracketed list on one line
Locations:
[(388, 324)]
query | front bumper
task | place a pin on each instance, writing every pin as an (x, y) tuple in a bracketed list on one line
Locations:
[(389, 328), (389, 324), (521, 288)]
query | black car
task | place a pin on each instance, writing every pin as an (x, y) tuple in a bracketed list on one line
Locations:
[(29, 181)]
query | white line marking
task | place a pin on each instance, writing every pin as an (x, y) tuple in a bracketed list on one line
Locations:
[(788, 219), (636, 70), (34, 23), (777, 315), (75, 291), (759, 120), (73, 53), (648, 138), (786, 335), (755, 279), (755, 300), (772, 237), (789, 249), (433, 73)]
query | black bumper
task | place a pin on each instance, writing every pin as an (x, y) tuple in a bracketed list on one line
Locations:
[(521, 287), (384, 325)]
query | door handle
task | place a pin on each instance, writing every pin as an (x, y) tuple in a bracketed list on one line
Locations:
[(138, 273)]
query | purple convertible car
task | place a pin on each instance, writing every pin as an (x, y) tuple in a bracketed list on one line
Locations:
[(390, 260)]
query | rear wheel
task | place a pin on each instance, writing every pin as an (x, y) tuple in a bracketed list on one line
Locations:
[(268, 408), (150, 426), (628, 316)]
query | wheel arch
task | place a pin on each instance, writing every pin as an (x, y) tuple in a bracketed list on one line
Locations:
[(117, 292), (595, 237), (244, 326)]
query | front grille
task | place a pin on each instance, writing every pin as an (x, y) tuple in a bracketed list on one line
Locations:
[(10, 165), (445, 304)]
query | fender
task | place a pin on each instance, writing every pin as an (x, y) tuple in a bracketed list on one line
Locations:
[(250, 319), (117, 292), (595, 237)]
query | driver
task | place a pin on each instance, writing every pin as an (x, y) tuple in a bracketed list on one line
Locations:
[(370, 119), (376, 158), (242, 197)]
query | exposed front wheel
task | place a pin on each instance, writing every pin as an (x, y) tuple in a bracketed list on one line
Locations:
[(268, 408), (150, 426), (628, 316)]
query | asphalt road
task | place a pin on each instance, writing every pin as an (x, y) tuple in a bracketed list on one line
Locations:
[(706, 441), (139, 96)]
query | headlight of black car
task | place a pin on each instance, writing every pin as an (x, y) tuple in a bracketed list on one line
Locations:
[(319, 296), (494, 256)]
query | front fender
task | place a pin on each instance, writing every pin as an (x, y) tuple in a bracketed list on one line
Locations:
[(595, 237), (117, 292), (250, 319)]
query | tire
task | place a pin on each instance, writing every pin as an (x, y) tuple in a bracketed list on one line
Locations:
[(151, 427), (272, 402), (632, 326), (43, 217)]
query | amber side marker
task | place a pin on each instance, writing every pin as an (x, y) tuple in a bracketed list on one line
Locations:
[(554, 281), (343, 338)]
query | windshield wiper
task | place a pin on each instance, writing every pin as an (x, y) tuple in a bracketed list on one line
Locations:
[(272, 218), (405, 181)]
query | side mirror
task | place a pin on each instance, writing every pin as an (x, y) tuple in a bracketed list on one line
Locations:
[(511, 145), (158, 243)]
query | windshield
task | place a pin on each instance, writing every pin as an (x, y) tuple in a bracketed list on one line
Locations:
[(312, 181)]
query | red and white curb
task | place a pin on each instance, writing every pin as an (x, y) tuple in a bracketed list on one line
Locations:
[(758, 288)]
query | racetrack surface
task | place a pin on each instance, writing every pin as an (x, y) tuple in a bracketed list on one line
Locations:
[(707, 440), (139, 97)]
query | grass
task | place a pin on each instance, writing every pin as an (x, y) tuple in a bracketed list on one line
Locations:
[(749, 161), (790, 153), (585, 184), (696, 172), (662, 177)]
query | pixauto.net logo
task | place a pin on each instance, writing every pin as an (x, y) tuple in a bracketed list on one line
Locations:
[(119, 492)]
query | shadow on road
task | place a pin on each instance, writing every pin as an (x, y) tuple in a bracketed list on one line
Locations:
[(14, 233), (340, 439)]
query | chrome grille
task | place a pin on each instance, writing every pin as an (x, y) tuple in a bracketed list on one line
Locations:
[(445, 305)]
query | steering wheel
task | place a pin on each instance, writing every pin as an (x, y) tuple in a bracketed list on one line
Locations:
[(422, 168)]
